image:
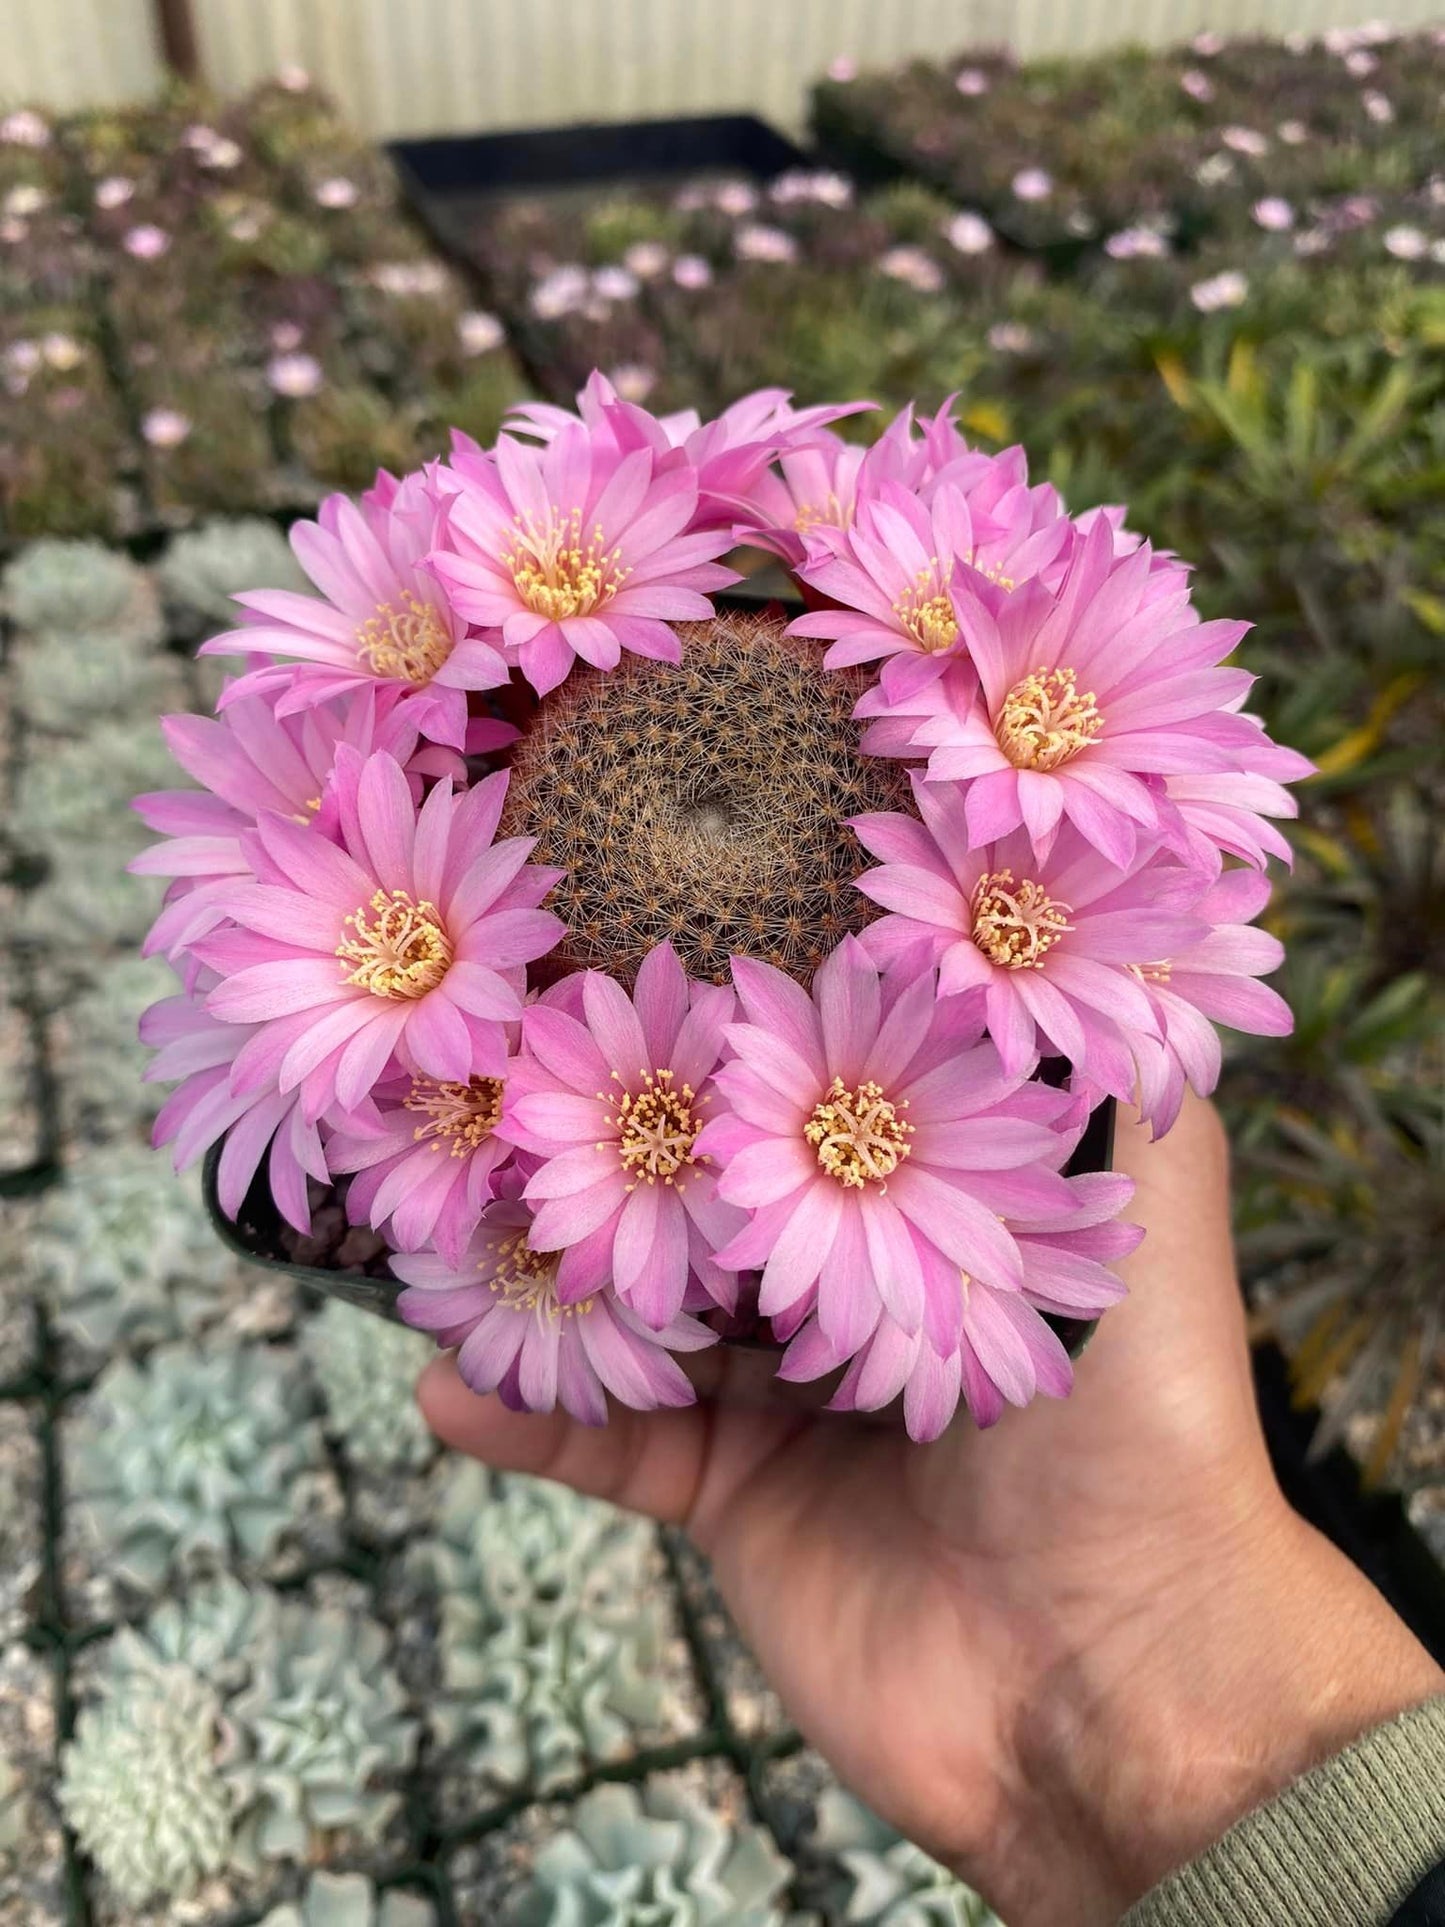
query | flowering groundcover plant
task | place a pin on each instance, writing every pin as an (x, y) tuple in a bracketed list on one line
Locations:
[(648, 973)]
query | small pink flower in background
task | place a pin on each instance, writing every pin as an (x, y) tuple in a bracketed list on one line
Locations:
[(425, 1154), (1006, 1354), (1406, 243), (756, 242), (574, 550), (561, 292), (165, 427), (337, 192), (479, 332), (24, 128), (913, 266), (146, 242), (735, 199), (1136, 244), (295, 376), (646, 260), (632, 381), (13, 230), (114, 191), (1274, 214), (1208, 44), (1033, 184), (61, 352), (257, 1122), (500, 1307), (246, 227), (817, 185), (969, 233), (222, 154), (294, 79), (842, 68), (286, 336), (616, 284), (1011, 338), (1293, 133), (612, 1102), (971, 82), (411, 279), (1360, 63), (23, 201), (1227, 290), (1216, 170), (691, 271), (872, 1139), (381, 619), (1079, 698), (1198, 86), (1378, 107), (406, 940), (1244, 140)]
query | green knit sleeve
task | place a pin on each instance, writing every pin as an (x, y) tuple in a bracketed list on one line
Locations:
[(1342, 1847)]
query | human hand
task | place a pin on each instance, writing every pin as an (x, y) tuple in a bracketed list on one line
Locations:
[(1062, 1655)]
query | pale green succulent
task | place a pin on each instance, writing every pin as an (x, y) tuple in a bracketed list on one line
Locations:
[(213, 1630), (650, 1856), (893, 1883), (143, 1786), (190, 1459), (551, 1630), (324, 1733), (87, 906), (75, 588), (99, 1057), (204, 568), (64, 682), (80, 791), (123, 1253), (14, 1808), (351, 1900), (367, 1369)]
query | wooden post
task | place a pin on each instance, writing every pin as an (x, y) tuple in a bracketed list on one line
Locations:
[(178, 37)]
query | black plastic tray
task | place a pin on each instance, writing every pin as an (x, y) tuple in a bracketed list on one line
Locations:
[(445, 178)]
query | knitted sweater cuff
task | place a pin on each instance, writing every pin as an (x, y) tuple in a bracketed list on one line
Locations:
[(1343, 1846)]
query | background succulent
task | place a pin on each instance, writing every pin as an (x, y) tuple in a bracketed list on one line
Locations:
[(123, 1253), (351, 1900), (651, 1856), (203, 568), (76, 588), (79, 792), (14, 1808), (142, 1785), (324, 1731), (367, 1370), (99, 1055), (891, 1883), (551, 1629), (192, 1459), (65, 681)]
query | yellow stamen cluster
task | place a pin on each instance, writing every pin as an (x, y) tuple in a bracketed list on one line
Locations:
[(526, 1280), (459, 1117), (656, 1127), (401, 950), (991, 574), (556, 574), (1016, 924), (828, 514), (858, 1135), (926, 609), (1158, 972), (1046, 720), (410, 643)]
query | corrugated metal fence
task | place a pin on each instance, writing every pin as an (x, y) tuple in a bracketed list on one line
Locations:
[(428, 66)]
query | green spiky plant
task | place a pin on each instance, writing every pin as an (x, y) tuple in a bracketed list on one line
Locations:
[(651, 1855)]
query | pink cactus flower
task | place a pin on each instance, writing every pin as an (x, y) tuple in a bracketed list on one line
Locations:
[(1005, 1354), (1077, 701), (425, 1153), (612, 1101), (259, 1122), (406, 941), (380, 620), (165, 427), (146, 242), (819, 485), (1063, 954), (873, 1140), (575, 550), (516, 1336)]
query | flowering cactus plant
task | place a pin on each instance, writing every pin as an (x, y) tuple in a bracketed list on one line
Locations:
[(649, 972)]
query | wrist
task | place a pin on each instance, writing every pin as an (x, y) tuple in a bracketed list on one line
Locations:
[(1143, 1745)]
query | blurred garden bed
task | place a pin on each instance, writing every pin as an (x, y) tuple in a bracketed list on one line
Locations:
[(1210, 283)]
